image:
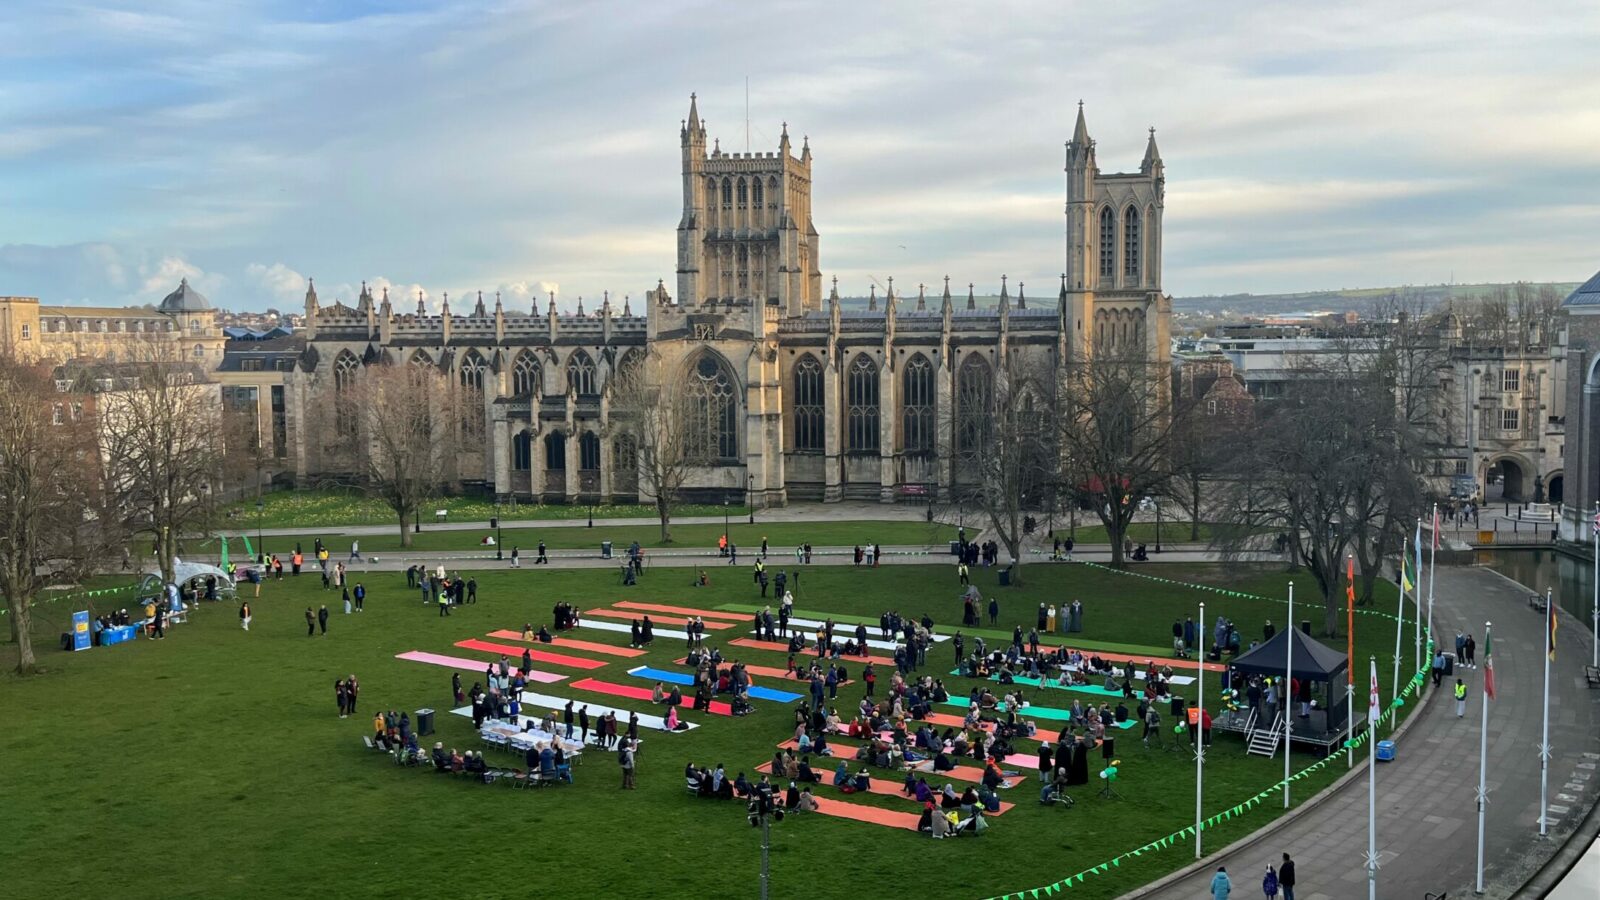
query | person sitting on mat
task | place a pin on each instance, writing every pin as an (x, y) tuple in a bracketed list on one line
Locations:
[(841, 777), (807, 802), (742, 786), (658, 694), (862, 782), (544, 636), (948, 798), (791, 797), (805, 773)]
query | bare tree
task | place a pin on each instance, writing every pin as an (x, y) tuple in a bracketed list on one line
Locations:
[(51, 503), (162, 437), (400, 423), (655, 417), (1115, 433), (1004, 452)]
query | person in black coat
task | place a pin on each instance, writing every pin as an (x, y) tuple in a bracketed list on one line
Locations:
[(322, 618), (1286, 877)]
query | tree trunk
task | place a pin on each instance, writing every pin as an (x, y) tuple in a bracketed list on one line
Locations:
[(1114, 531), (1015, 549), (1194, 512), (1331, 608), (665, 512), (405, 536), (21, 631)]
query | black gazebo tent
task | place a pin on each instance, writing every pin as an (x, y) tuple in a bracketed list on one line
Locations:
[(1314, 662)]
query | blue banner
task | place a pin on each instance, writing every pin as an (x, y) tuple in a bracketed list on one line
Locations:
[(80, 630)]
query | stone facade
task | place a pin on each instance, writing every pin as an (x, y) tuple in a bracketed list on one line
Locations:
[(800, 398), (1581, 488)]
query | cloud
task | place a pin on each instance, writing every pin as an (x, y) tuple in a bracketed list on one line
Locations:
[(521, 145)]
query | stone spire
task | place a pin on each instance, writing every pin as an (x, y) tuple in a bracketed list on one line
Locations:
[(946, 306), (497, 307), (972, 300), (783, 142), (833, 295), (1022, 302), (444, 305), (1152, 157), (552, 313), (1080, 132), (580, 306), (626, 305), (922, 299), (605, 303), (888, 300), (478, 311), (422, 308), (364, 299), (872, 299), (1005, 296), (805, 148)]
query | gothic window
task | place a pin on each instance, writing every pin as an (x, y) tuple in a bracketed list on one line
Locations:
[(744, 194), (588, 452), (1108, 243), (625, 464), (420, 359), (472, 371), (862, 413), (344, 371), (1130, 245), (755, 192), (916, 411), (808, 404), (711, 432), (727, 193), (525, 375), (555, 452), (580, 373), (975, 396), (522, 451)]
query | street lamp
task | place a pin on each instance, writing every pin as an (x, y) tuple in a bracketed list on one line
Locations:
[(261, 551), (725, 522), (750, 496), (763, 811), (416, 527), (1157, 504), (499, 545)]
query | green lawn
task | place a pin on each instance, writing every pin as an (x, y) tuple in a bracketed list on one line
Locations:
[(213, 763), (783, 537), (332, 508), (1145, 533)]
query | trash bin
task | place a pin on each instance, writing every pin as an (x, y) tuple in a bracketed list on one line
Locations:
[(424, 722), (955, 548), (1386, 751), (1449, 664), (605, 549), (1005, 577)]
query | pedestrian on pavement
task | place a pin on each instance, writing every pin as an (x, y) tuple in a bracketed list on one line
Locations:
[(1472, 652), (1269, 884), (542, 559), (516, 560), (1461, 698), (355, 550), (322, 618), (1286, 877), (311, 622), (1221, 887)]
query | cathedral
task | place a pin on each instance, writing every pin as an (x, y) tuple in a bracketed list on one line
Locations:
[(795, 398)]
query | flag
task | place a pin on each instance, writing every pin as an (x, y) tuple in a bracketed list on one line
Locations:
[(1350, 620), (1488, 664), (1435, 527), (1374, 702), (1405, 575), (224, 554), (1417, 544), (1550, 618)]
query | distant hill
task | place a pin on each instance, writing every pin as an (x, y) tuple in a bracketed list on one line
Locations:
[(1357, 299)]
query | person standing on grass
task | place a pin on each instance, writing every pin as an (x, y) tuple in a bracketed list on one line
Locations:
[(566, 719), (994, 611), (1286, 877), (325, 580), (347, 606), (444, 604), (583, 724), (361, 596), (455, 688), (625, 760), (340, 695), (322, 618), (244, 615), (472, 589), (351, 689), (311, 622)]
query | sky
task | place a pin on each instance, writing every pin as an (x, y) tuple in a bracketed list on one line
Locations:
[(527, 147)]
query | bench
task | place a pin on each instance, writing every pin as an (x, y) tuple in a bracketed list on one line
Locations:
[(1592, 675), (1536, 602)]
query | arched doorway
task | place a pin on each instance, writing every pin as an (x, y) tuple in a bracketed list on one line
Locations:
[(555, 463), (1554, 488), (1507, 481)]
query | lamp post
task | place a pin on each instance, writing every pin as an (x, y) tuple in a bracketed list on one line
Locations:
[(750, 496), (725, 522), (499, 545), (261, 552), (416, 527), (763, 811)]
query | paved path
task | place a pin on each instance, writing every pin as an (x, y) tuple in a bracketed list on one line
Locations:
[(1427, 822)]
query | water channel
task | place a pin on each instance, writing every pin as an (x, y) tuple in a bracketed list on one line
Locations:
[(1571, 578)]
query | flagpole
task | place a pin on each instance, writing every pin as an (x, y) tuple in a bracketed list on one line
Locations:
[(1200, 736), (1544, 734), (1483, 761), (1595, 628), (1288, 679), (1372, 784), (1399, 629), (1350, 657), (1416, 603), (1433, 558)]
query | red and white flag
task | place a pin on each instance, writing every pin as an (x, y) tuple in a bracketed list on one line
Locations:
[(1374, 702)]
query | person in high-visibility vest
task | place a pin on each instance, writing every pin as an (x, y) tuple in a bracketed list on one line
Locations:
[(444, 604), (1461, 698)]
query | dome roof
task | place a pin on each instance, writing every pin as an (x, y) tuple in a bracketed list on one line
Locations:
[(185, 300)]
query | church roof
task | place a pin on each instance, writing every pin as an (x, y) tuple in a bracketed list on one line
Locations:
[(1586, 295), (185, 299)]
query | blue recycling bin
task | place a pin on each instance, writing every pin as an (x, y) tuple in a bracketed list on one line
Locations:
[(1386, 751)]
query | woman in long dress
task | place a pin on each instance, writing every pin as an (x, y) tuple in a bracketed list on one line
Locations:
[(1050, 618)]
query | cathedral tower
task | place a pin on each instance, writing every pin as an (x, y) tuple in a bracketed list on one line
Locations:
[(746, 237)]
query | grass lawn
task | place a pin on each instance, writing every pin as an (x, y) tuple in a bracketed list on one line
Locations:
[(213, 763), (783, 537), (1145, 533), (332, 508)]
